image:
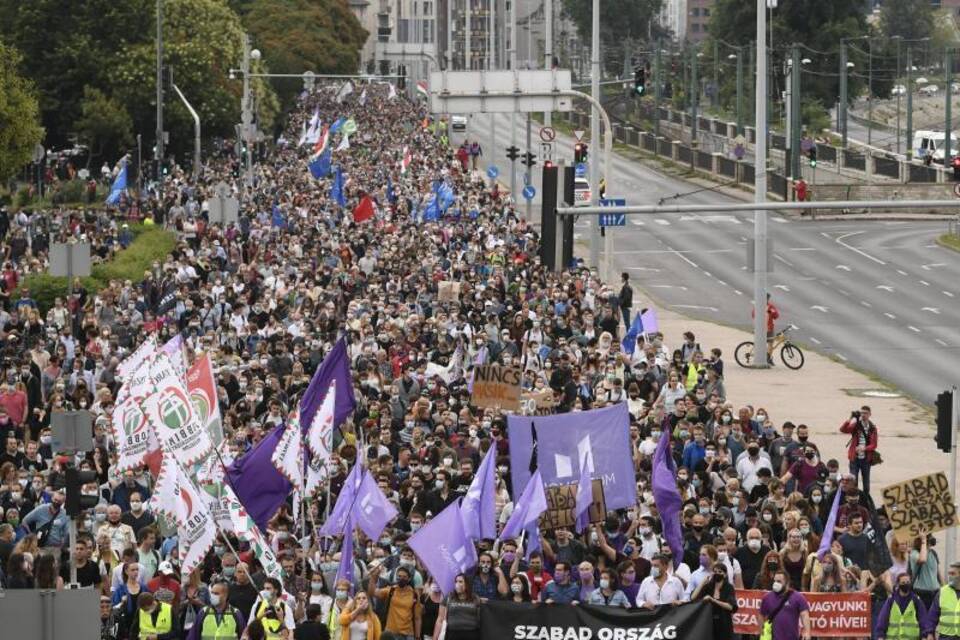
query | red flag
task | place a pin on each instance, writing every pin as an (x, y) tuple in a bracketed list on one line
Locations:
[(364, 210)]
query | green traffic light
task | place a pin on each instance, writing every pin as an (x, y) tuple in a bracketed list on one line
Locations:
[(813, 163)]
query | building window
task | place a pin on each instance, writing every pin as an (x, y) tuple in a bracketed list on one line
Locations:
[(706, 11), (695, 27), (695, 12)]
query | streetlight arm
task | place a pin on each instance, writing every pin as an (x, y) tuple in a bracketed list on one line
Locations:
[(196, 138)]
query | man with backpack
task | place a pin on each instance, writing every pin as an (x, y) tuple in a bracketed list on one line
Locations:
[(219, 619), (401, 610)]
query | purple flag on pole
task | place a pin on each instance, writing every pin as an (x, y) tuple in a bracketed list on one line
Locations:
[(584, 494), (527, 510), (335, 367), (345, 571), (371, 509), (827, 538), (260, 488), (479, 505), (338, 519), (444, 547), (648, 319), (667, 497)]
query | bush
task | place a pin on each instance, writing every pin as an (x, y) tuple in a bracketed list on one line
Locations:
[(23, 197), (69, 192), (150, 243)]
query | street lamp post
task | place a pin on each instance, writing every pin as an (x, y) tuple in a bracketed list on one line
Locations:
[(909, 87), (246, 111), (594, 131), (694, 97), (948, 100), (896, 78), (869, 91), (760, 195), (158, 149)]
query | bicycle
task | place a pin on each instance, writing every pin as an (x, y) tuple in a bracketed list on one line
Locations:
[(790, 354)]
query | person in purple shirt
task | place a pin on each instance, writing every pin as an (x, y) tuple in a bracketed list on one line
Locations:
[(786, 609), (901, 599), (806, 471)]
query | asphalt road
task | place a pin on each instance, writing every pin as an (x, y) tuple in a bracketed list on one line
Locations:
[(880, 295)]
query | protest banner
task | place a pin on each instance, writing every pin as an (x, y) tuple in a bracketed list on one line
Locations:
[(203, 395), (528, 621), (920, 504), (832, 615), (562, 502), (448, 291), (496, 387), (538, 403)]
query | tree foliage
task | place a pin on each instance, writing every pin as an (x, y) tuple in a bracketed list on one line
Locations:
[(323, 36), (20, 128), (623, 23), (104, 125), (909, 19)]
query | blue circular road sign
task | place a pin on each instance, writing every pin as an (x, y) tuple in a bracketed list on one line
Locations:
[(529, 191), (492, 171)]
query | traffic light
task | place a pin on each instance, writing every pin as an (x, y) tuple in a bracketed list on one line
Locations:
[(580, 152), (528, 159), (956, 168), (945, 421), (75, 500), (812, 156), (513, 153), (639, 81)]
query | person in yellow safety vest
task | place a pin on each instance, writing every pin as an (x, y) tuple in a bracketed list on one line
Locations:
[(341, 599), (944, 616), (275, 616), (903, 616), (219, 620), (154, 620), (693, 371)]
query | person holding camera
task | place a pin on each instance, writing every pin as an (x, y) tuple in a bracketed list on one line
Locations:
[(862, 448)]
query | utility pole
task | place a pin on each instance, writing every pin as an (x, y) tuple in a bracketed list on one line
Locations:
[(492, 36), (896, 78), (513, 114), (246, 113), (751, 72), (843, 93), (450, 35), (788, 69), (467, 57), (909, 87), (948, 117), (528, 176), (760, 195), (715, 96), (870, 91), (594, 133), (657, 81), (158, 150), (739, 90), (548, 49), (694, 97), (797, 123)]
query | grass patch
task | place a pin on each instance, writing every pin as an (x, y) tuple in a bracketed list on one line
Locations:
[(949, 241)]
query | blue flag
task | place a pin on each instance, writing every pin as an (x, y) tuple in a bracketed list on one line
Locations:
[(336, 189), (431, 212), (259, 486), (478, 508), (391, 194), (119, 185), (630, 340), (338, 124), (320, 167)]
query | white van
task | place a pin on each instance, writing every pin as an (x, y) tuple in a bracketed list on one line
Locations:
[(581, 192), (931, 142)]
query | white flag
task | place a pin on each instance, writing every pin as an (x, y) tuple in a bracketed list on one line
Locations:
[(345, 90), (132, 431), (172, 414), (189, 508), (393, 92), (135, 359), (344, 143), (363, 97), (320, 440), (288, 459), (303, 134)]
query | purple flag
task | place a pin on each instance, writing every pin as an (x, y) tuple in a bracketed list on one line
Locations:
[(444, 547), (527, 509), (345, 571), (584, 495), (338, 519), (371, 509), (649, 321), (260, 488), (603, 435), (827, 538), (479, 505), (667, 497), (335, 367)]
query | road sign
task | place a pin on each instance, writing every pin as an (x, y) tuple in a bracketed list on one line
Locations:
[(578, 134), (529, 191), (547, 134), (492, 171), (612, 219), (581, 169), (70, 259), (496, 91), (546, 150)]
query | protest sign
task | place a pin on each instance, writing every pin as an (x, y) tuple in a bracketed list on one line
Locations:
[(448, 291), (562, 502), (538, 403), (832, 615), (496, 387), (920, 504)]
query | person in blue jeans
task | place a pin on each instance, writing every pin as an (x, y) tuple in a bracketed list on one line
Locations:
[(862, 446)]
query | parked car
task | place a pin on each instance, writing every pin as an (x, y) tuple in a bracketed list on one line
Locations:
[(458, 123), (929, 90), (898, 90)]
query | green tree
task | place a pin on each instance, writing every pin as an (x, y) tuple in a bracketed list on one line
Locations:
[(323, 36), (623, 24), (909, 19), (20, 128), (203, 39), (104, 125)]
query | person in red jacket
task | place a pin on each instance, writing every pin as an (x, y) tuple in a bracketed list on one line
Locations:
[(772, 315), (862, 446)]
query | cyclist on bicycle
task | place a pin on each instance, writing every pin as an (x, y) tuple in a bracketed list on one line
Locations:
[(772, 315)]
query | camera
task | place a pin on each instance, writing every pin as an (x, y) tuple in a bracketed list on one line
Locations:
[(855, 415)]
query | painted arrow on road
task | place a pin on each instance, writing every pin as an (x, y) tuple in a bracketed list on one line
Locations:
[(782, 287), (821, 308), (885, 287), (933, 310), (667, 286), (843, 267), (928, 267)]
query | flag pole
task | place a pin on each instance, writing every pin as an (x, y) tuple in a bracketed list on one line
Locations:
[(226, 477)]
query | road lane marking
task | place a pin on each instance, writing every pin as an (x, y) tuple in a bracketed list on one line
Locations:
[(843, 267), (913, 328), (885, 287), (684, 258), (941, 342), (866, 304), (802, 249), (902, 272), (890, 315), (665, 223), (948, 294), (821, 308), (782, 259), (814, 340), (667, 286), (934, 310), (840, 241), (638, 223), (693, 306), (925, 283)]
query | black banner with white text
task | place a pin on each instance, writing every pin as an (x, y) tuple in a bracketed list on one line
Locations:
[(511, 621)]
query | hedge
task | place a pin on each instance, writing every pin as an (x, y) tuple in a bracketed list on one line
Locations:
[(150, 243)]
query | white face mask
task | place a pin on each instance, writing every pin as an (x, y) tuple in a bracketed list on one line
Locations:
[(754, 545), (214, 600), (777, 586)]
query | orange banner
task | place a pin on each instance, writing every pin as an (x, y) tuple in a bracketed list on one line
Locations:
[(832, 615)]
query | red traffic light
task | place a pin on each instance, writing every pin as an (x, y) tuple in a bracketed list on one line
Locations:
[(956, 161)]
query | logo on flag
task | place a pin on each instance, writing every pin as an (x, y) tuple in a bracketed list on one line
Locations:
[(133, 419), (175, 411)]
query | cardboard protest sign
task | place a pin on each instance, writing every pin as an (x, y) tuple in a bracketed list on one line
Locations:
[(832, 615), (924, 503), (562, 502), (538, 403), (496, 387), (448, 291)]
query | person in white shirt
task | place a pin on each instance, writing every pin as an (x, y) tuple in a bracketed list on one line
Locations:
[(650, 542), (748, 466), (660, 587)]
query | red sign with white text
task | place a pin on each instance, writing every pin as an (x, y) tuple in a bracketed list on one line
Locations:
[(832, 615)]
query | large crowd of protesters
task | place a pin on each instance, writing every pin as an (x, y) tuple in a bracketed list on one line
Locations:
[(268, 296)]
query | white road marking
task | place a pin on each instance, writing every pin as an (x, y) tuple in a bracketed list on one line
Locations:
[(885, 287), (933, 310), (708, 274), (948, 294), (890, 315), (821, 308), (739, 293), (814, 340), (840, 241), (925, 283), (782, 259), (840, 291), (777, 219), (665, 223), (902, 272), (841, 356), (669, 250), (928, 267), (941, 342), (782, 287), (843, 267), (693, 306), (667, 286), (722, 282), (802, 249), (685, 258), (913, 328), (638, 223), (866, 304), (654, 269)]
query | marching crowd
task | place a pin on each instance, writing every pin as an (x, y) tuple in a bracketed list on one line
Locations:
[(268, 296)]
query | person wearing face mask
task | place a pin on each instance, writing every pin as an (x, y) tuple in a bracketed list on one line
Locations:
[(903, 615), (431, 600), (806, 471), (560, 590), (649, 541), (750, 463), (219, 620), (566, 549), (751, 555), (275, 615), (606, 594), (785, 609), (403, 610), (460, 611), (718, 591), (341, 599), (154, 620), (661, 586), (358, 621), (49, 521)]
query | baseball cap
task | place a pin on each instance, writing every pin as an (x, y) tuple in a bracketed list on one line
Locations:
[(166, 568)]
